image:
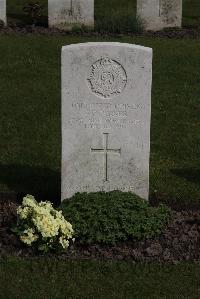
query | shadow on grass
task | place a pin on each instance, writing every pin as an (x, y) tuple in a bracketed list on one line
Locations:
[(43, 183), (190, 174)]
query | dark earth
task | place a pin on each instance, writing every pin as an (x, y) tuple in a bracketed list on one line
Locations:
[(167, 33), (179, 241)]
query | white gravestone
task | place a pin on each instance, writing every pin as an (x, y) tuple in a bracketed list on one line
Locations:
[(3, 11), (67, 13), (106, 111), (159, 14)]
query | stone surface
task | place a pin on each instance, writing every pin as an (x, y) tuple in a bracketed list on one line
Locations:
[(159, 14), (67, 13), (106, 107), (3, 10)]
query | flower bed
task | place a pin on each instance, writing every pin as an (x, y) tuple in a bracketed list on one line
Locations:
[(179, 241)]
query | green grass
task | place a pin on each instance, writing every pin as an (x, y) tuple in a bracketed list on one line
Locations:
[(116, 16), (30, 162), (106, 10), (30, 115), (47, 279), (191, 13)]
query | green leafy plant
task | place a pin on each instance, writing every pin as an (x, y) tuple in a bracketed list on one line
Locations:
[(39, 224), (112, 217)]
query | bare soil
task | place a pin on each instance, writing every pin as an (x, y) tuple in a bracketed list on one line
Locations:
[(167, 33)]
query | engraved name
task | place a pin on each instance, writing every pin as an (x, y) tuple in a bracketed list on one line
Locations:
[(103, 115)]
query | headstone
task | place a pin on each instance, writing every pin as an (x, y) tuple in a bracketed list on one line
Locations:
[(65, 14), (3, 11), (159, 14), (106, 107)]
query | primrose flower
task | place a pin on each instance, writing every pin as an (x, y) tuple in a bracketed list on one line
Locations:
[(46, 204), (64, 242), (66, 228), (29, 201), (28, 236), (23, 212), (44, 224)]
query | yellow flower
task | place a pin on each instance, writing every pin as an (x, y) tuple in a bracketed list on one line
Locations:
[(46, 225), (47, 222), (64, 243), (59, 215), (47, 205), (28, 236), (23, 212), (29, 201), (66, 228)]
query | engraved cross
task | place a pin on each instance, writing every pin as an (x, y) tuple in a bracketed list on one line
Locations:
[(106, 151)]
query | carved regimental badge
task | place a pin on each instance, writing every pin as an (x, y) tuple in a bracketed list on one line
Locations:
[(108, 78)]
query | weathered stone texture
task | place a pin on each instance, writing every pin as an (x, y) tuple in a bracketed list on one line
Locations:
[(106, 110), (3, 10), (159, 14), (65, 14)]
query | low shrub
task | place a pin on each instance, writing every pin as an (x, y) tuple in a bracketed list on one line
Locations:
[(112, 217)]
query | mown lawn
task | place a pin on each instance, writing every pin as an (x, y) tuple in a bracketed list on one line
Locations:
[(47, 279), (30, 115), (30, 155), (106, 9), (191, 13)]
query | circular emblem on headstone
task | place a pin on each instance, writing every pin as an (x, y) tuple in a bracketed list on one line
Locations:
[(108, 78)]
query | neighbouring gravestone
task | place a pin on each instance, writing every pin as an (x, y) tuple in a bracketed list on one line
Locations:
[(66, 14), (159, 14), (106, 107), (3, 11)]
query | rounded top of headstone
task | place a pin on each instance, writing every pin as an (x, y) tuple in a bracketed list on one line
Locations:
[(108, 44)]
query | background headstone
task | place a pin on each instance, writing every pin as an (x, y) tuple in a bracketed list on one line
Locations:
[(159, 14), (67, 13), (3, 10), (106, 107)]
